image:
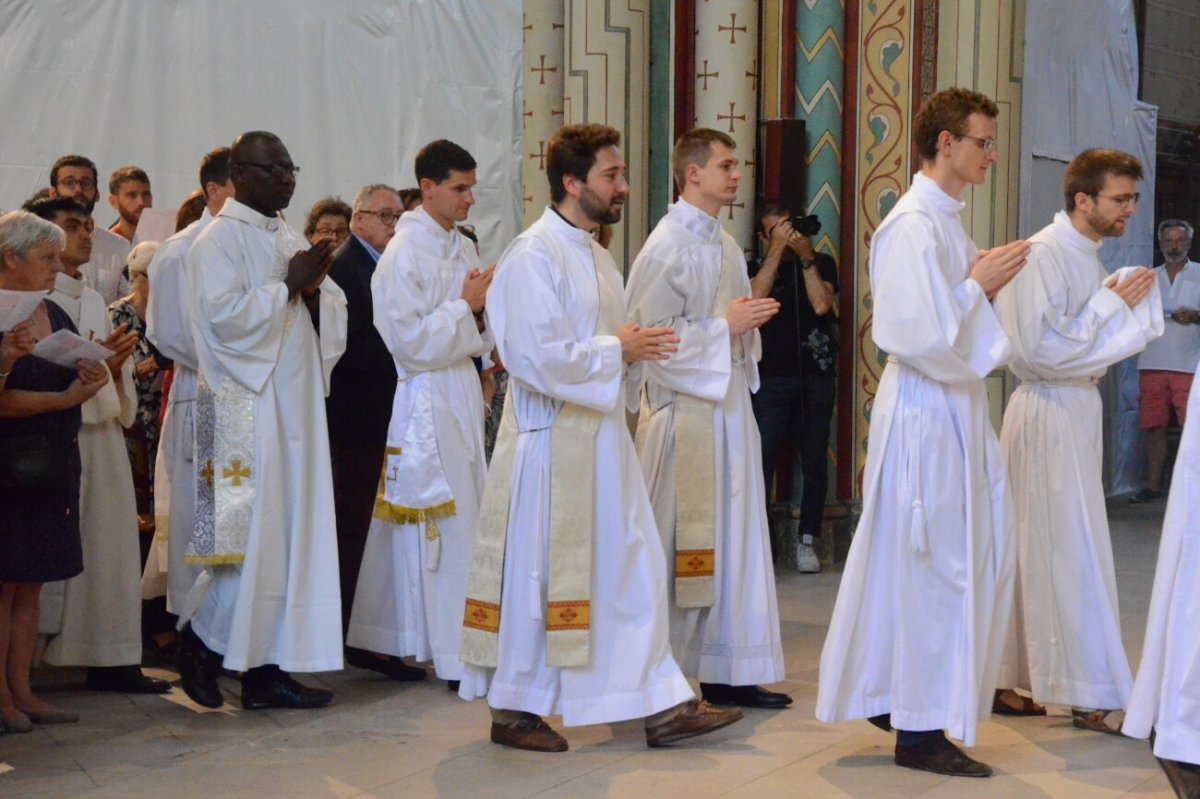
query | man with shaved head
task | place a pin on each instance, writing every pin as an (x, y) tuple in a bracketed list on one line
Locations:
[(268, 328)]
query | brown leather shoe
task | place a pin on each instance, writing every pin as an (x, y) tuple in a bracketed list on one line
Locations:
[(937, 755), (529, 732), (695, 719)]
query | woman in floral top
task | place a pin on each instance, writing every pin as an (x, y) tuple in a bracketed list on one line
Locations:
[(141, 439)]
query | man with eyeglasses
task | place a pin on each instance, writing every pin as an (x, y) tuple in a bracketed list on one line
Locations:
[(75, 177), (268, 329), (1068, 321), (917, 630), (360, 403), (1166, 368), (428, 295)]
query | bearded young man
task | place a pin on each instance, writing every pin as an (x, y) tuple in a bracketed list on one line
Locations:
[(1068, 321)]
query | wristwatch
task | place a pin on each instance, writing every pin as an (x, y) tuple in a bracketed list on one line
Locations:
[(808, 263)]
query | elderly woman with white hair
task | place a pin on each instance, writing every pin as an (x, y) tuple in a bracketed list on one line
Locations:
[(149, 365), (39, 464)]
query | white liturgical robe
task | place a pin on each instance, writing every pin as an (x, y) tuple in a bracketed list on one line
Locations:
[(98, 615), (105, 271), (674, 283), (925, 598), (1064, 640), (1166, 694), (281, 604), (413, 579), (169, 328), (543, 309)]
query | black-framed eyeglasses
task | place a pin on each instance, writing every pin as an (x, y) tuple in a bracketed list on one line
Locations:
[(71, 184), (386, 217), (274, 170), (1123, 200), (987, 145)]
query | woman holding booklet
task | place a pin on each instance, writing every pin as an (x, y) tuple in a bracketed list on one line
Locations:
[(39, 461)]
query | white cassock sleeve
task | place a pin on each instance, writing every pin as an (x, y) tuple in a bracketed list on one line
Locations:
[(168, 312), (1033, 309), (118, 399), (243, 324), (949, 333), (421, 339), (538, 345), (673, 294), (333, 327)]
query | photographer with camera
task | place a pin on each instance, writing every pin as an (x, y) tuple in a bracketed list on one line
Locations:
[(797, 370)]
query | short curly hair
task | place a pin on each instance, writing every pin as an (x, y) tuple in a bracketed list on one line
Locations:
[(948, 110), (572, 151)]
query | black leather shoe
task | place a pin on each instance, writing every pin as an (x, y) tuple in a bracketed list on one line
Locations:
[(937, 755), (883, 721), (743, 696), (391, 667), (124, 680), (270, 686), (198, 669)]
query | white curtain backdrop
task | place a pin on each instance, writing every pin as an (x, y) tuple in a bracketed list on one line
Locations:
[(1080, 91), (353, 87)]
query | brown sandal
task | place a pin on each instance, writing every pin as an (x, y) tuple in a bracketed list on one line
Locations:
[(1028, 706), (1098, 720)]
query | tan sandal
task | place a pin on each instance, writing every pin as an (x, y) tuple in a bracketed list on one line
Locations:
[(1106, 721)]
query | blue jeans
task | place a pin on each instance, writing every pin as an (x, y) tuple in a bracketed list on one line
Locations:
[(798, 410)]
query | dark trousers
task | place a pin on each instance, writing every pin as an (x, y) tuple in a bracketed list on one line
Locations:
[(356, 472), (798, 410)]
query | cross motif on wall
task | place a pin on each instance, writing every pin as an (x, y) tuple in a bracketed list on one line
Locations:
[(527, 27), (525, 201), (731, 117), (542, 70), (705, 75), (540, 155), (554, 113), (752, 73), (733, 28), (731, 205), (207, 473), (236, 471), (524, 114)]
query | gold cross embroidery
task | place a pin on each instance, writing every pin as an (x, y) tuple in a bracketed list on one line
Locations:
[(236, 472), (207, 473)]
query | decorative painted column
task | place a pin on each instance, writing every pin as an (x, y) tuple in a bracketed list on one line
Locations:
[(820, 28), (542, 101), (726, 94), (879, 129), (607, 56)]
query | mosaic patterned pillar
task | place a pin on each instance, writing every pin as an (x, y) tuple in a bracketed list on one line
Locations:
[(820, 28), (542, 101), (607, 57), (726, 94), (882, 169)]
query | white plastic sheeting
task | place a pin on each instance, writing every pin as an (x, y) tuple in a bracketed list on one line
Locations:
[(353, 87), (1080, 91)]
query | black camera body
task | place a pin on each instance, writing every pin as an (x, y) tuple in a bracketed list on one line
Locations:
[(806, 225)]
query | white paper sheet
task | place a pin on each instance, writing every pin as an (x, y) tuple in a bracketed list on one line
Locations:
[(16, 306), (66, 349), (155, 224)]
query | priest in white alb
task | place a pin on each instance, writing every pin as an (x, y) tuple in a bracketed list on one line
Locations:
[(169, 328), (697, 439), (1164, 702), (915, 639), (1068, 321), (428, 293), (268, 329), (95, 619), (566, 606)]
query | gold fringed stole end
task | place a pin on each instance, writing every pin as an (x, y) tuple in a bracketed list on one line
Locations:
[(695, 505), (398, 514), (694, 562)]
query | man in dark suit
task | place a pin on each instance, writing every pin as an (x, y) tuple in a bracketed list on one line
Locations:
[(360, 403)]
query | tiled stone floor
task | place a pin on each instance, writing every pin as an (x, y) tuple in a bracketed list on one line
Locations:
[(386, 740)]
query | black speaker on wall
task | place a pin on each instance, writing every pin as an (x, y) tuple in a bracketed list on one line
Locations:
[(782, 162)]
